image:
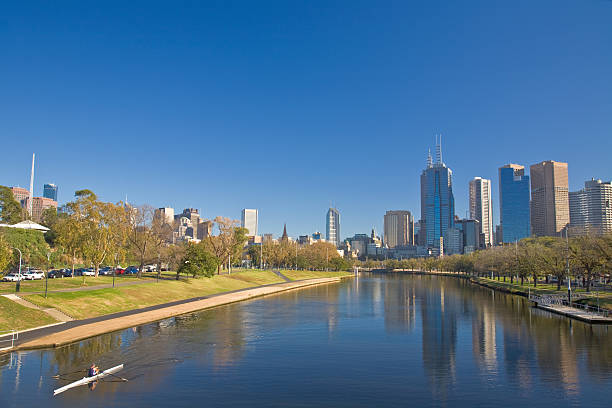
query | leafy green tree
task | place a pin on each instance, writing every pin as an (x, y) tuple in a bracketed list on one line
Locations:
[(31, 243), (6, 254), (198, 262), (10, 209), (50, 219)]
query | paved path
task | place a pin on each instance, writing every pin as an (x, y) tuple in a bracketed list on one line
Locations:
[(280, 275), (77, 330), (54, 313)]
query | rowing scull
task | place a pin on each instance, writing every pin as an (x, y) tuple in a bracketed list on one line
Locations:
[(87, 380)]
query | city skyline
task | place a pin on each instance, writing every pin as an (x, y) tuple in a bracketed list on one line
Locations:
[(497, 99)]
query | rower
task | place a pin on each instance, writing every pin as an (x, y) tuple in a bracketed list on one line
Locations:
[(93, 370)]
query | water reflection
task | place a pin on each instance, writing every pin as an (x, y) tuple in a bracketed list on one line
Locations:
[(378, 337)]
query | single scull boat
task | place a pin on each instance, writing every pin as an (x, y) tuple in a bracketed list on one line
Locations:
[(87, 380)]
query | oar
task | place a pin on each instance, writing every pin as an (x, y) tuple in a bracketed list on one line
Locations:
[(121, 378), (61, 375)]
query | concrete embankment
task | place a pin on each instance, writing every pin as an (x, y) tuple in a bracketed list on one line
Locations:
[(85, 331)]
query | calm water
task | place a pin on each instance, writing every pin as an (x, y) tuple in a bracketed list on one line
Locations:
[(379, 340)]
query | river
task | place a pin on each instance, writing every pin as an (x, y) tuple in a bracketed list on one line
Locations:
[(377, 340)]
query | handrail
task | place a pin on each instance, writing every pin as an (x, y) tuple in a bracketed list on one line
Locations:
[(14, 336), (554, 299)]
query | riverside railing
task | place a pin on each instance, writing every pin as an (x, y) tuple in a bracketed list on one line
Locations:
[(6, 337), (561, 300)]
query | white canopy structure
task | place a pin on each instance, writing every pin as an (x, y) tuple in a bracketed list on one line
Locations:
[(27, 224)]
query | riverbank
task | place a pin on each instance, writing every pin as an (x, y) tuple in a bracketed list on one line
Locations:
[(84, 331), (604, 299), (87, 304)]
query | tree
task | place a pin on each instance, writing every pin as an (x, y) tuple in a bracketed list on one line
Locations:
[(50, 219), (141, 237), (31, 243), (198, 261), (6, 254), (70, 237), (10, 209), (552, 255), (225, 243), (587, 257), (95, 228)]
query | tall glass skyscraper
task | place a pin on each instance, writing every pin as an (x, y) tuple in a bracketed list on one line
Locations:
[(437, 200), (332, 226), (50, 191), (514, 211)]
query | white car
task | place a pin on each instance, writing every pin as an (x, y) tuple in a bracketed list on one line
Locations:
[(34, 275), (12, 277), (89, 272)]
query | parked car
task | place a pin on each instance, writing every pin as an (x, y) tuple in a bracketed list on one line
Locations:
[(150, 268), (66, 272), (12, 277), (34, 274), (56, 273), (89, 272), (131, 270), (119, 271), (78, 272), (107, 270)]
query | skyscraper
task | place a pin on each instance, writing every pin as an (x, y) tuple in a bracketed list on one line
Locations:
[(514, 211), (167, 214), (50, 191), (332, 226), (437, 200), (549, 198), (591, 208), (481, 208), (249, 221), (399, 228)]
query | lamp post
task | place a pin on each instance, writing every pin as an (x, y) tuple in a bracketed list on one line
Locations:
[(18, 284), (47, 274), (567, 269), (114, 270)]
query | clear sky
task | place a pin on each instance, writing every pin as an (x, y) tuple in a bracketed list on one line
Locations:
[(286, 106)]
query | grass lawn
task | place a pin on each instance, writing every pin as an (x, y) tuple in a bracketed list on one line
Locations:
[(16, 317), (63, 283), (299, 275), (99, 302)]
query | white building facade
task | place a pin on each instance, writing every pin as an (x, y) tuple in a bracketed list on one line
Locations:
[(481, 207)]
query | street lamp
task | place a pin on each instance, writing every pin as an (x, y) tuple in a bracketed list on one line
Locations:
[(567, 269), (47, 274), (18, 284)]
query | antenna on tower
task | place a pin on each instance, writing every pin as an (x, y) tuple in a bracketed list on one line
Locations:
[(429, 160), (439, 149), (31, 200)]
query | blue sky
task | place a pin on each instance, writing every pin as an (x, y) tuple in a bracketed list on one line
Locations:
[(286, 106)]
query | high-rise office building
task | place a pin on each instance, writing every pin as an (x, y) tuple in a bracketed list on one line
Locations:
[(249, 221), (481, 207), (437, 200), (399, 228), (332, 226), (21, 195), (167, 214), (39, 205), (591, 208), (50, 191), (514, 211), (549, 198)]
